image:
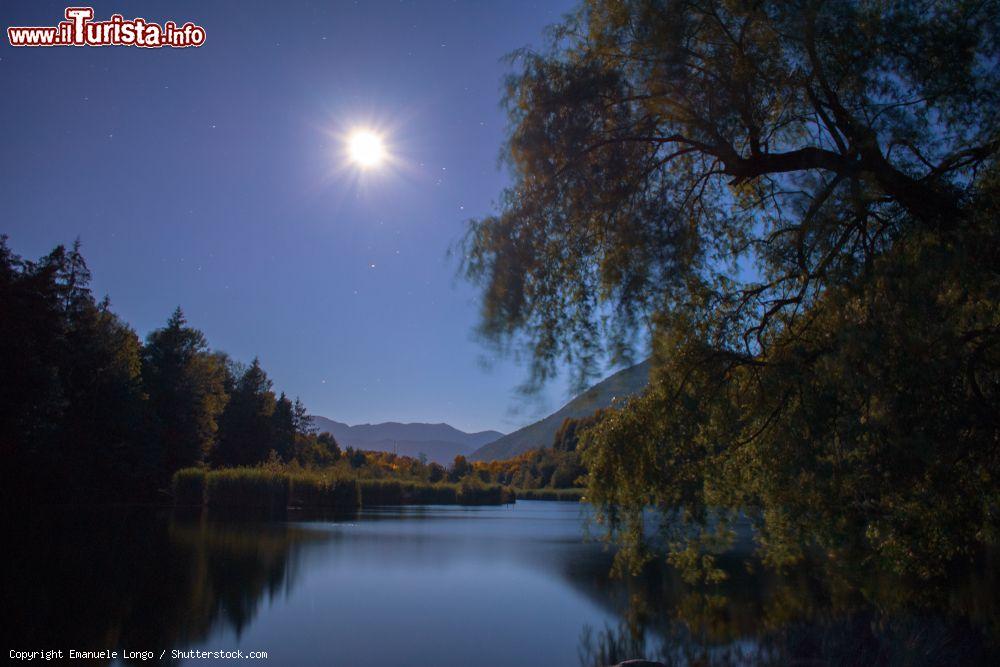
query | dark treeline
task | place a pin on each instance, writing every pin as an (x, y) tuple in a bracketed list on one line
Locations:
[(90, 411)]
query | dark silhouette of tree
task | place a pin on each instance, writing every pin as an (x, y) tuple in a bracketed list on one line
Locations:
[(71, 401), (246, 426), (283, 430), (88, 412), (796, 203), (185, 383), (102, 426), (300, 418)]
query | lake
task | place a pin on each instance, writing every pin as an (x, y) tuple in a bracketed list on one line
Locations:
[(444, 586)]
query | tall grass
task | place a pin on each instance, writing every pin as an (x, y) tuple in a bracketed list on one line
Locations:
[(310, 490), (473, 492), (253, 488), (271, 490), (569, 495)]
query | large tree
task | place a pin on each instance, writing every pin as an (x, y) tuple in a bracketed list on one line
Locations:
[(185, 382), (796, 203), (71, 399), (247, 431)]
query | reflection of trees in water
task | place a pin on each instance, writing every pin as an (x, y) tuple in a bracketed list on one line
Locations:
[(135, 581), (812, 615), (615, 644), (610, 645)]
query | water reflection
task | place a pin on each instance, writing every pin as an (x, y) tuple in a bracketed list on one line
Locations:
[(457, 586), (815, 614), (138, 579)]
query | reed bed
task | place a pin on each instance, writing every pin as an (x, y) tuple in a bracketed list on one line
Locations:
[(266, 489), (253, 488), (322, 491), (568, 495)]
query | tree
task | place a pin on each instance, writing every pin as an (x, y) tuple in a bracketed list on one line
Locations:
[(246, 433), (71, 400), (103, 428), (31, 335), (186, 390), (565, 474), (460, 467), (795, 203), (301, 420), (356, 457), (87, 412), (568, 435), (436, 473), (283, 427), (329, 443)]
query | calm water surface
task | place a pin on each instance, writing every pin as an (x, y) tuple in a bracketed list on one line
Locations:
[(445, 586)]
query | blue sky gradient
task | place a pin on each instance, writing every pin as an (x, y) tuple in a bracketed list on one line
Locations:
[(213, 179)]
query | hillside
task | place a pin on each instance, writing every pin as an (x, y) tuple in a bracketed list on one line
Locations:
[(540, 434), (440, 442)]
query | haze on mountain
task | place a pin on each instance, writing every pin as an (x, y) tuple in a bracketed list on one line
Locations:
[(441, 443), (624, 383)]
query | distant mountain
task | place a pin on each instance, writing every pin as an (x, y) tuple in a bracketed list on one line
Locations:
[(440, 442), (540, 434)]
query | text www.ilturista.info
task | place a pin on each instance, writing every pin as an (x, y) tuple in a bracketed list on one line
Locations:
[(79, 29)]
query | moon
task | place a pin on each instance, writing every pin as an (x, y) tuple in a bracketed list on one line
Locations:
[(365, 149)]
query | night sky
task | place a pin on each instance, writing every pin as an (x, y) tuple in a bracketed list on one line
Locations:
[(215, 179)]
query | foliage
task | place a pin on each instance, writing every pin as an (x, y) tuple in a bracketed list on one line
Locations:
[(71, 399), (312, 450), (356, 457), (800, 199), (558, 466), (251, 427), (184, 382), (89, 412), (459, 468), (568, 436)]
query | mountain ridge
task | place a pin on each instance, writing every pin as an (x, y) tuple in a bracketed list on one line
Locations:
[(623, 383), (441, 442)]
